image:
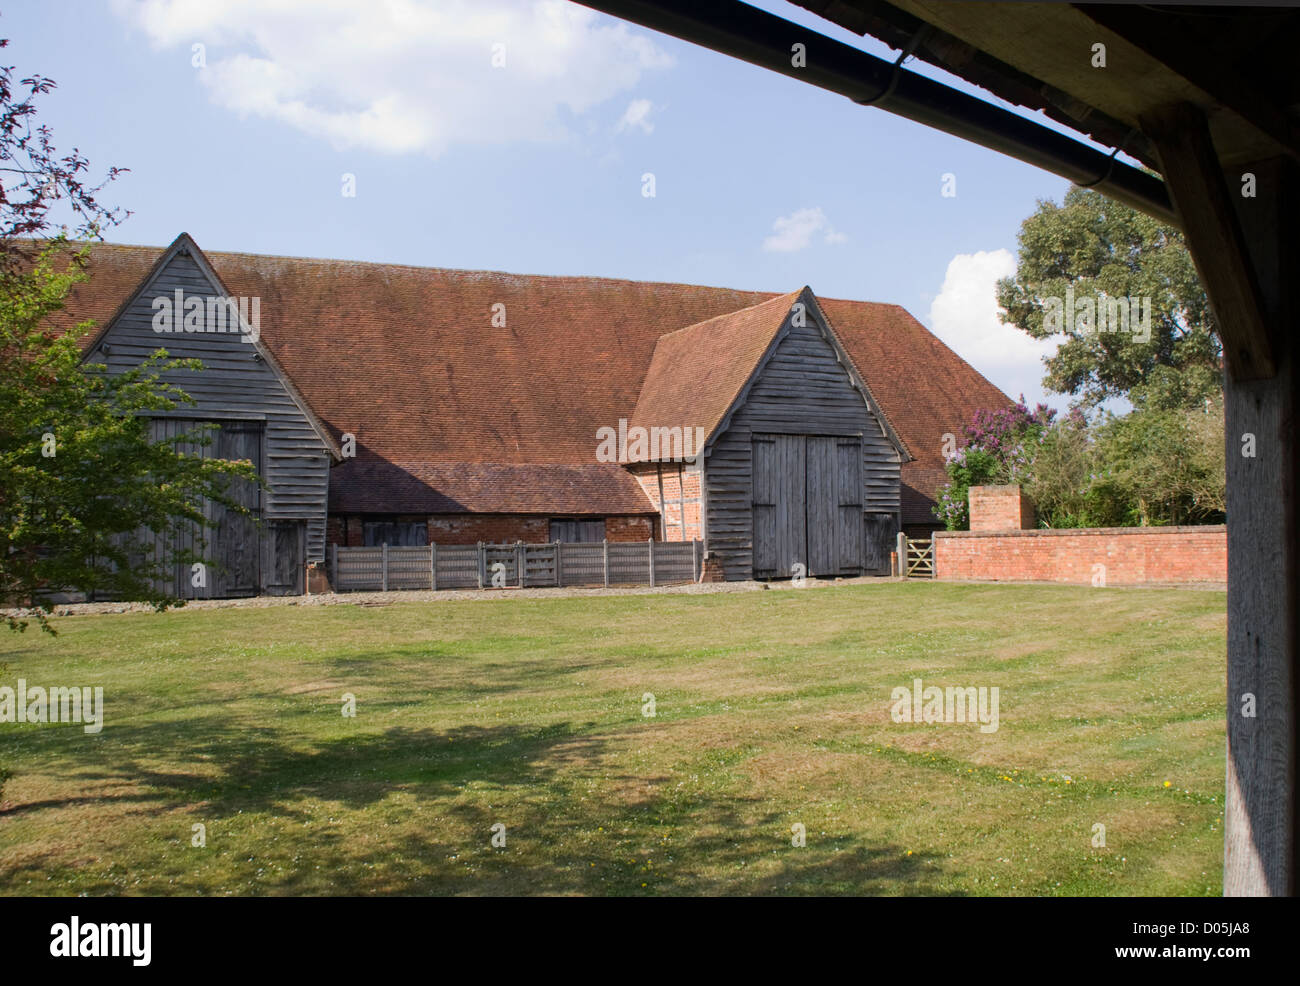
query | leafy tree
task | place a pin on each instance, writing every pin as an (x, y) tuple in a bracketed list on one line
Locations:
[(1060, 478), (1093, 246), (1166, 465), (81, 481)]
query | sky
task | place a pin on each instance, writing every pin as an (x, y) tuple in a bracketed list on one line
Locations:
[(517, 135)]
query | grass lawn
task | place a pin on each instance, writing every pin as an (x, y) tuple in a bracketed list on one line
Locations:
[(772, 708)]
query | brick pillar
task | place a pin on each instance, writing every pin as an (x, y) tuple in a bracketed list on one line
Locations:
[(1000, 508)]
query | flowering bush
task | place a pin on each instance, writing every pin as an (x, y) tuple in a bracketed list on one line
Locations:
[(1000, 449)]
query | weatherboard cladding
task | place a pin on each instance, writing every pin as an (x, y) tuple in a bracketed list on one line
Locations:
[(411, 362), (802, 388), (235, 384)]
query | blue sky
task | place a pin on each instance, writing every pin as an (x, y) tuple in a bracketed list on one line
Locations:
[(534, 166)]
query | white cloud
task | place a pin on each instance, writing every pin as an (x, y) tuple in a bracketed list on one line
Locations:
[(402, 75), (637, 117), (796, 231), (965, 316)]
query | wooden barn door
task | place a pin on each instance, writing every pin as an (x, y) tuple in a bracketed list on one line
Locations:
[(834, 498), (807, 505), (233, 538), (780, 505)]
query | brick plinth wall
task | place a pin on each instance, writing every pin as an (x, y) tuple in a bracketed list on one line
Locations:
[(713, 570), (318, 582), (1130, 555)]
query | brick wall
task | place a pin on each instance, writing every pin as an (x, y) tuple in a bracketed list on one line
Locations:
[(629, 529), (1128, 555), (1000, 508), (674, 489)]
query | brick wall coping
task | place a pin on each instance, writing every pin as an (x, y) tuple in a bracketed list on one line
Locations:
[(1086, 531)]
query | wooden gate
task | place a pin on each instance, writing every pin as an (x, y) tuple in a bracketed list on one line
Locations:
[(916, 557), (807, 505)]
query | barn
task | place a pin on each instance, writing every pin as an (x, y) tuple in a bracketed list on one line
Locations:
[(387, 404)]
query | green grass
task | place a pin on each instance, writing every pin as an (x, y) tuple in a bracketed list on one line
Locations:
[(772, 709)]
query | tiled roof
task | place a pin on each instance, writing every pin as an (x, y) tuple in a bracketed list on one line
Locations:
[(410, 361), (698, 372), (375, 486)]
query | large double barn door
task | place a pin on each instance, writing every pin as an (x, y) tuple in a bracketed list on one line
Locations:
[(807, 505), (228, 541)]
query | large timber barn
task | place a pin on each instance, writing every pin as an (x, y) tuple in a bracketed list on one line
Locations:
[(409, 405)]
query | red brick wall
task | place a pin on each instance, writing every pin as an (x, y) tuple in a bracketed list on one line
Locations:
[(1129, 555), (493, 528), (629, 528), (318, 582), (1000, 508), (679, 507)]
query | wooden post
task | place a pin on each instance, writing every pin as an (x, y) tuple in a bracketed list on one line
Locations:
[(433, 566), (902, 554), (1246, 250), (606, 543), (521, 561), (695, 560), (1262, 812), (482, 565), (559, 579), (384, 566), (893, 563), (334, 554), (650, 544)]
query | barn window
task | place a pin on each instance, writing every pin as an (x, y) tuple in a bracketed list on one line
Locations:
[(398, 533), (574, 531)]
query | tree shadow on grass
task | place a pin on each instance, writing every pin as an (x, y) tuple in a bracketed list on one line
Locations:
[(573, 826)]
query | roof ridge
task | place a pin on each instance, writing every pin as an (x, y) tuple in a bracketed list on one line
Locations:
[(388, 265), (738, 311)]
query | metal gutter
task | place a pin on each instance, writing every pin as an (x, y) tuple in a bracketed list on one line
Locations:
[(763, 39)]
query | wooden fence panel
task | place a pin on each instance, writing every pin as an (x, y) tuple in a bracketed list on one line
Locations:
[(460, 566)]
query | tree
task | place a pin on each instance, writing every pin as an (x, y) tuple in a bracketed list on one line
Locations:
[(1166, 464), (34, 178), (82, 483), (1092, 248)]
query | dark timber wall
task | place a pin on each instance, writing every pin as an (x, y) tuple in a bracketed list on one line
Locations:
[(235, 385), (802, 389)]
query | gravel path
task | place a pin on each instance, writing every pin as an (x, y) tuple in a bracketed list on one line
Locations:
[(447, 595)]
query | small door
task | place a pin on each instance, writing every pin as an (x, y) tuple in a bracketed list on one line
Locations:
[(880, 531), (284, 546)]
